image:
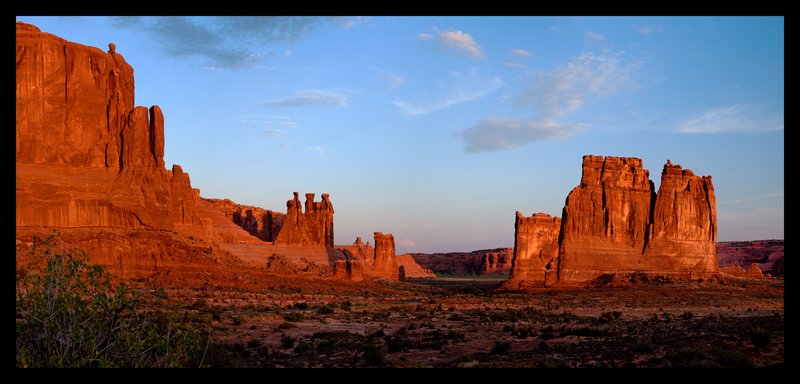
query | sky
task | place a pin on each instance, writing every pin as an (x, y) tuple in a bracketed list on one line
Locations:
[(438, 129)]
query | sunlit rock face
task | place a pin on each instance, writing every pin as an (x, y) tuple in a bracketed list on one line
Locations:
[(85, 155), (615, 222)]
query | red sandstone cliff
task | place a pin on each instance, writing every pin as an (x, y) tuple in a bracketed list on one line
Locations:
[(614, 222), (85, 156), (605, 219), (312, 227), (535, 251)]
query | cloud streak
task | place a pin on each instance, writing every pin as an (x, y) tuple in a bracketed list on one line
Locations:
[(392, 80), (738, 118), (595, 36), (495, 134), (224, 42), (752, 198), (521, 52), (551, 96), (320, 150), (308, 98), (460, 88), (457, 42)]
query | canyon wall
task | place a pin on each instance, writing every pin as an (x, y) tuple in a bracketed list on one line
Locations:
[(614, 222), (85, 155)]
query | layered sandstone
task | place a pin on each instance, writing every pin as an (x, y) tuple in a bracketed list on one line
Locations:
[(259, 222), (768, 254), (385, 265), (606, 218), (412, 270), (535, 251), (85, 156), (683, 232), (312, 227), (479, 262), (614, 222)]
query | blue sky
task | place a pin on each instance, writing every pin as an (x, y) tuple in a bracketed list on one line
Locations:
[(437, 129)]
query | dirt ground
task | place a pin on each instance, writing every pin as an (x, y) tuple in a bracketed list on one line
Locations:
[(258, 319)]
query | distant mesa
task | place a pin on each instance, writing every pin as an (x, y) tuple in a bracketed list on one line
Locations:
[(614, 222)]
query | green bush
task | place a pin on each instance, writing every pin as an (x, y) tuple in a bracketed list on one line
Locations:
[(71, 315)]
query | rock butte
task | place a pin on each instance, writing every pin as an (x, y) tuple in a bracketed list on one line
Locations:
[(91, 164), (614, 222)]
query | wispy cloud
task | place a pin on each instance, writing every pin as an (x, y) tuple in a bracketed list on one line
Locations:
[(566, 89), (510, 63), (458, 42), (752, 198), (272, 133), (495, 134), (268, 120), (407, 243), (551, 96), (392, 80), (225, 42), (521, 52), (646, 29), (320, 150), (307, 98), (461, 87), (735, 118), (595, 36), (461, 42)]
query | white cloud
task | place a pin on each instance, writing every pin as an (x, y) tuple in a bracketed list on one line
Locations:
[(552, 95), (424, 36), (460, 88), (461, 42), (521, 52), (646, 29), (510, 63), (272, 133), (752, 198), (595, 36), (495, 134), (309, 97), (566, 89), (407, 243), (734, 118), (393, 80), (320, 150)]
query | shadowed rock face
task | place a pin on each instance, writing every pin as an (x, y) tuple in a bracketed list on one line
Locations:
[(614, 222), (535, 251), (86, 157), (605, 219), (385, 265)]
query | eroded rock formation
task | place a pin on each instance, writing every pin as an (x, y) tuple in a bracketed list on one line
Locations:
[(385, 265), (312, 227), (479, 262), (412, 269), (614, 222), (535, 251), (85, 156)]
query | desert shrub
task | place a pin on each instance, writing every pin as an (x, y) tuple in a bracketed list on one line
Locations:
[(253, 344), (71, 315), (346, 305), (287, 341), (374, 354), (293, 316), (687, 316), (733, 359), (500, 348), (759, 336), (325, 310), (238, 320), (286, 325), (301, 306)]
